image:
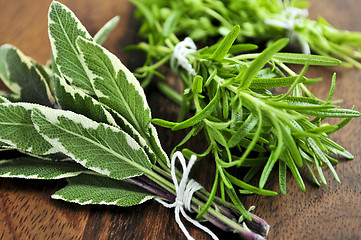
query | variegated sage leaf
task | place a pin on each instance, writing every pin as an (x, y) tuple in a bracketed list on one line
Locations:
[(103, 33), (23, 78), (34, 168), (115, 85), (64, 28), (17, 129), (88, 189), (4, 100), (97, 146), (75, 100)]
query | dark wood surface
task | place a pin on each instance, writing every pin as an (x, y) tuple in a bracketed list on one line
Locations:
[(330, 212)]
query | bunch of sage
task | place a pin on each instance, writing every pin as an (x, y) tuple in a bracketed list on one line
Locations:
[(85, 117), (261, 21)]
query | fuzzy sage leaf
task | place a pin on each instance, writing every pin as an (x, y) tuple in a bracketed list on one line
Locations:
[(64, 29), (34, 168), (97, 146), (90, 189)]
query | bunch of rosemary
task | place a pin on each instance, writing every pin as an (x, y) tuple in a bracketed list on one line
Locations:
[(261, 21), (85, 118), (232, 101)]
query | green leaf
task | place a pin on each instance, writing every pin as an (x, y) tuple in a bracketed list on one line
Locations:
[(4, 100), (318, 152), (260, 61), (242, 47), (259, 83), (226, 44), (17, 130), (286, 156), (97, 146), (88, 189), (34, 168), (333, 113), (163, 123), (170, 23), (197, 84), (115, 86), (241, 132), (64, 29), (296, 58), (205, 112), (23, 78), (282, 168), (103, 33), (332, 89), (248, 187), (75, 100)]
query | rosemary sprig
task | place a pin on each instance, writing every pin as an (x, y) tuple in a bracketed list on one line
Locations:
[(245, 124), (261, 21)]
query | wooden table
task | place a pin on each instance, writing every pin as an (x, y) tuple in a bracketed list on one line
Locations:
[(329, 212)]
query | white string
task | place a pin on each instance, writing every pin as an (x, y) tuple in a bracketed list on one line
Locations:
[(290, 18), (184, 190), (179, 56)]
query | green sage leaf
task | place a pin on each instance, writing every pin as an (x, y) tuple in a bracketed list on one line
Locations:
[(114, 85), (64, 29), (103, 33), (17, 130), (34, 168), (97, 146), (23, 78), (75, 100), (88, 189)]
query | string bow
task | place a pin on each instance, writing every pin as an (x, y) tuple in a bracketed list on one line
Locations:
[(179, 56), (292, 17), (184, 190)]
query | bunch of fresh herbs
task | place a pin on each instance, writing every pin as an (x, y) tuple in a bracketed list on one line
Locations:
[(261, 21), (85, 117), (233, 101)]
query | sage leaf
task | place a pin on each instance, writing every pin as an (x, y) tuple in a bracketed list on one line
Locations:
[(34, 168), (118, 89), (103, 33), (23, 78), (64, 29), (75, 100), (69, 98), (97, 146), (17, 130), (4, 100), (114, 85), (89, 189)]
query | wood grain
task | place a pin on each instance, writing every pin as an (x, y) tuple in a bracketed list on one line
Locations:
[(330, 212)]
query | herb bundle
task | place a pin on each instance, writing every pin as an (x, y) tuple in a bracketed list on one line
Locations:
[(84, 117), (261, 21), (247, 125)]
